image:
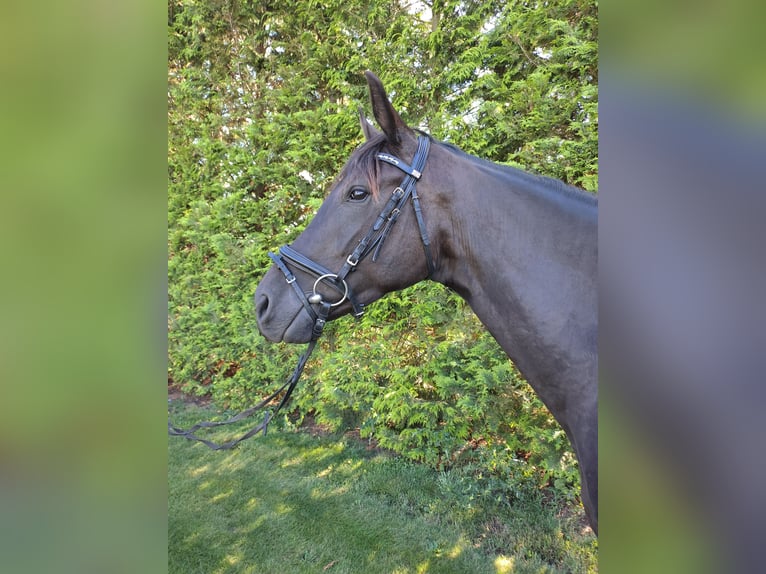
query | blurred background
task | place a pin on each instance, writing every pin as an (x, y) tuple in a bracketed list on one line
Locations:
[(87, 130)]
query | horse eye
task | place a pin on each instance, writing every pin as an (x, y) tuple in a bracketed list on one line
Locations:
[(358, 194)]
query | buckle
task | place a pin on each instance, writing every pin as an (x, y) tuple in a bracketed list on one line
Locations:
[(318, 327)]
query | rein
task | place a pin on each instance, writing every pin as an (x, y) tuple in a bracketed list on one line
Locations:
[(314, 303)]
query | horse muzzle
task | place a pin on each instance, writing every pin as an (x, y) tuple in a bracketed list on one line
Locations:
[(280, 317)]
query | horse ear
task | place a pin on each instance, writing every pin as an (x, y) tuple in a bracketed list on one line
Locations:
[(367, 128), (385, 114)]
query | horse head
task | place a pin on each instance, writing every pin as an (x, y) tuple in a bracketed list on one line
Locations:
[(351, 254)]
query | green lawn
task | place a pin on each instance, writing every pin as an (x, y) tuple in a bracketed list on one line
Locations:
[(291, 502)]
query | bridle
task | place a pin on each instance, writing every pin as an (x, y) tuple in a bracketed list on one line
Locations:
[(370, 243), (314, 303)]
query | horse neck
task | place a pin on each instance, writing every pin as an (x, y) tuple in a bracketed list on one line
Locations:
[(522, 251)]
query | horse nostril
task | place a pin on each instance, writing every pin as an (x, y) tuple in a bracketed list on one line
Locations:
[(261, 305)]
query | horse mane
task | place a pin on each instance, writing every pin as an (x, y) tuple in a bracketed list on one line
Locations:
[(550, 183), (365, 160)]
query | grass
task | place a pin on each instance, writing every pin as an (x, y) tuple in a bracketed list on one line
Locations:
[(290, 503)]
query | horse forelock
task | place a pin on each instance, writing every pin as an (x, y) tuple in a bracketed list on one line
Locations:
[(365, 160)]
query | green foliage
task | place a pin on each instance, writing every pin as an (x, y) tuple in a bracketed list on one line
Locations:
[(261, 116)]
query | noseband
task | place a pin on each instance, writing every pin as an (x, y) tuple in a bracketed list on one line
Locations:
[(370, 243), (314, 303)]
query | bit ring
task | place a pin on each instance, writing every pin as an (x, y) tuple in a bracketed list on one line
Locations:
[(317, 297)]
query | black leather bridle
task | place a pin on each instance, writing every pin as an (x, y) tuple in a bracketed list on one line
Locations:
[(314, 303), (370, 243)]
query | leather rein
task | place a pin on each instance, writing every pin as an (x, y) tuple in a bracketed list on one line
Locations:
[(314, 303)]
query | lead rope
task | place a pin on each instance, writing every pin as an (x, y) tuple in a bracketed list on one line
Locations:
[(319, 323)]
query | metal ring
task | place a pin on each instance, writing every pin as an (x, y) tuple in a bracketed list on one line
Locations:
[(326, 276)]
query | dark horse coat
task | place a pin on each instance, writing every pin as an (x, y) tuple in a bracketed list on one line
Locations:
[(519, 248)]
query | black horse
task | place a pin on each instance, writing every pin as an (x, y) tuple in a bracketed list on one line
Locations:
[(519, 248)]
